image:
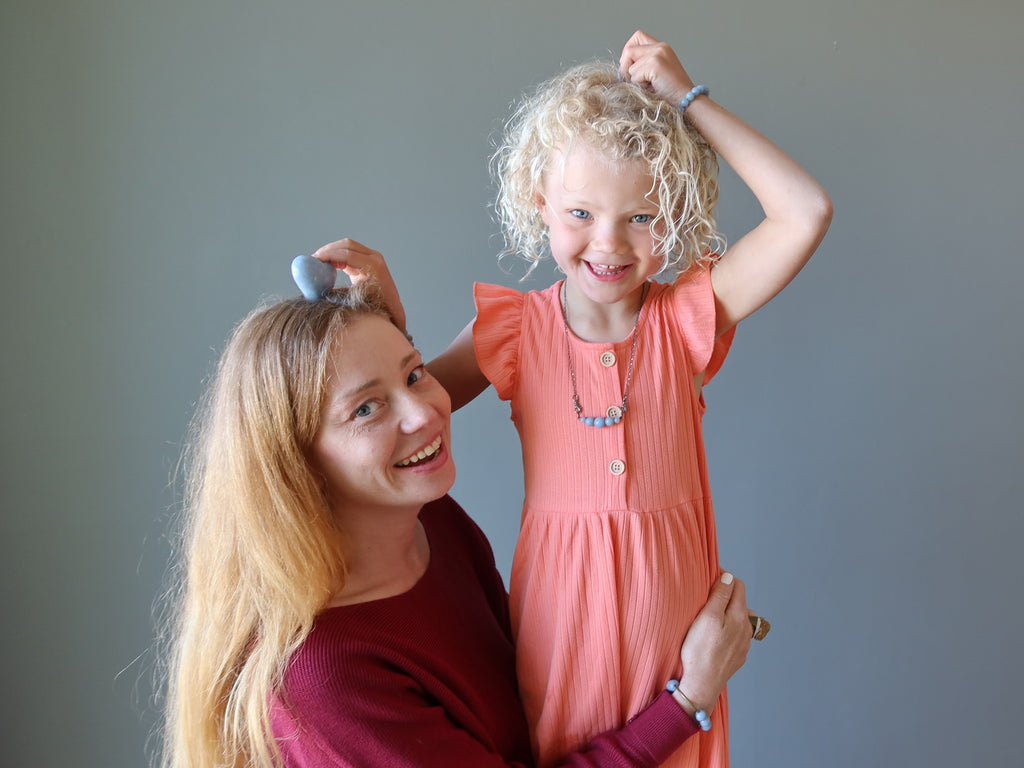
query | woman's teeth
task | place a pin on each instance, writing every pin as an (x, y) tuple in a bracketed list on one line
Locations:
[(421, 454)]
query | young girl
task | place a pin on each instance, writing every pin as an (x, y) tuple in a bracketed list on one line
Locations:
[(615, 171)]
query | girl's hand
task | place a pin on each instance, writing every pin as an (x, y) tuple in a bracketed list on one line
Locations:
[(361, 263), (653, 65), (717, 642)]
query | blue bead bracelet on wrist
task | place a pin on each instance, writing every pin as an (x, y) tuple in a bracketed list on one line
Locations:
[(697, 90), (703, 718)]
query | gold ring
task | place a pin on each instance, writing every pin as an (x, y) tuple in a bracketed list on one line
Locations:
[(760, 626)]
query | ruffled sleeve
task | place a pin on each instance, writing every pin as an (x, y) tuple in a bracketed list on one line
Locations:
[(496, 335), (693, 301)]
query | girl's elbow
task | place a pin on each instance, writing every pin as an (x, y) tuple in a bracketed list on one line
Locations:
[(817, 217), (822, 211), (816, 221)]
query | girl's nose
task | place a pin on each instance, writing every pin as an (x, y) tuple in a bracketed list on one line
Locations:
[(609, 239)]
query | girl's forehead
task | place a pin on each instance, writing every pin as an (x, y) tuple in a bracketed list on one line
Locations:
[(595, 158)]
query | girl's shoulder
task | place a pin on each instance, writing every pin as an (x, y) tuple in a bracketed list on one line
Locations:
[(494, 291), (498, 304), (688, 291)]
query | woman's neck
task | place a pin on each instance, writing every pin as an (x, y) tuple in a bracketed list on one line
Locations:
[(383, 562)]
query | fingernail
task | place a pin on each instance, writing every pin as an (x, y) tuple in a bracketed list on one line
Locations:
[(727, 578)]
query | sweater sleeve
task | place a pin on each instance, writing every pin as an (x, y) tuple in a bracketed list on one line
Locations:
[(379, 717), (401, 731), (645, 741)]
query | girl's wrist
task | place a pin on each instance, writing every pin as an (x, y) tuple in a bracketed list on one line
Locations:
[(692, 95)]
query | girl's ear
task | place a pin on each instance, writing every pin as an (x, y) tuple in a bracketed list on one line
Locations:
[(542, 205), (539, 201)]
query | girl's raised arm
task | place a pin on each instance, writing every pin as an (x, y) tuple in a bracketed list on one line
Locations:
[(797, 210)]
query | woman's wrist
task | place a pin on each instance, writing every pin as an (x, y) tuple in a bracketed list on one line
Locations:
[(699, 713)]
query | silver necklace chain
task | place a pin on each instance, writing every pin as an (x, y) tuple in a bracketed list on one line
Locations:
[(610, 416)]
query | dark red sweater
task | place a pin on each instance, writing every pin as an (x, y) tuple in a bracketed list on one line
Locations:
[(427, 678)]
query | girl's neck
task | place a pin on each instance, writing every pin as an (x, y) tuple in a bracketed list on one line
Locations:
[(383, 563), (592, 321)]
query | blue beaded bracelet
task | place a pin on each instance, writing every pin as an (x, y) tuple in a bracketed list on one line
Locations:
[(697, 90), (702, 717)]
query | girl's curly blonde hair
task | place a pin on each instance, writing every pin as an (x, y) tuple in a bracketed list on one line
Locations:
[(589, 104)]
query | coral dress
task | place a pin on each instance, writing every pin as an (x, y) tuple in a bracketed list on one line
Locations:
[(617, 551)]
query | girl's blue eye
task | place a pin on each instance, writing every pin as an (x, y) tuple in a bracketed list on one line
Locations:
[(579, 214), (417, 373), (642, 218)]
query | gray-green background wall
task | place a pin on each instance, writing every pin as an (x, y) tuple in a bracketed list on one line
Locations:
[(163, 162)]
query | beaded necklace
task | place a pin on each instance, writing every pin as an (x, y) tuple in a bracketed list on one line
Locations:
[(614, 413)]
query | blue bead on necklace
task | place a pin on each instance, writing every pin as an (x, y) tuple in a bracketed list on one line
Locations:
[(614, 414)]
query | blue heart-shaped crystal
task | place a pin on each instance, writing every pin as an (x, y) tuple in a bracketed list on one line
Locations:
[(314, 277)]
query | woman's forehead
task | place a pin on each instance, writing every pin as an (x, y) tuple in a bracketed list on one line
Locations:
[(367, 348)]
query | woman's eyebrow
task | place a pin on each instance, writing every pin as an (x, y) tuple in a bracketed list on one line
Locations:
[(354, 392)]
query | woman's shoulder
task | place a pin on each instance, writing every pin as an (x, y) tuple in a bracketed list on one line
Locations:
[(450, 529), (367, 633)]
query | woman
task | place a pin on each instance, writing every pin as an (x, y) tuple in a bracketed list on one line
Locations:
[(337, 607)]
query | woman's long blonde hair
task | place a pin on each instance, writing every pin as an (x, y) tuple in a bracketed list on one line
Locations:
[(589, 104), (259, 552)]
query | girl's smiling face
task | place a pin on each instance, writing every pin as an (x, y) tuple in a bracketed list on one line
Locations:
[(383, 442), (598, 213)]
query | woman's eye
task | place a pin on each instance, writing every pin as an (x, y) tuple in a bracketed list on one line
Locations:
[(417, 373), (579, 214), (642, 218), (366, 409)]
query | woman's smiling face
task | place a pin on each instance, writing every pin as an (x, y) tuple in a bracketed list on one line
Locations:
[(383, 442)]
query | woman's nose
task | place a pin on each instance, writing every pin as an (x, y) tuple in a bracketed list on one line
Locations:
[(418, 411)]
